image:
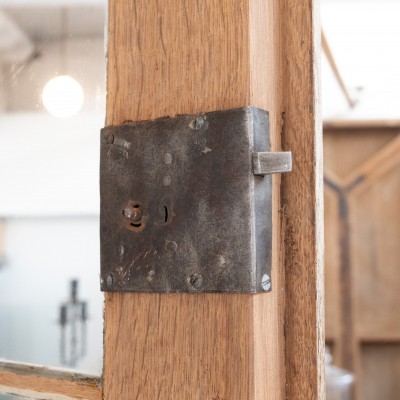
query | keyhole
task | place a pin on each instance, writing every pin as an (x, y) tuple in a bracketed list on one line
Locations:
[(165, 211), (165, 214)]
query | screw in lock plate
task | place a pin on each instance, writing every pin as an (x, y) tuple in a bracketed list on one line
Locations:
[(266, 282), (109, 281), (195, 281), (109, 138), (197, 123)]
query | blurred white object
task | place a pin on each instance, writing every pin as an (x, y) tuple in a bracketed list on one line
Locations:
[(63, 96), (338, 381)]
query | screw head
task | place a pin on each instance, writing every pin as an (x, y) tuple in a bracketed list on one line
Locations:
[(266, 282), (197, 123), (109, 138), (195, 281)]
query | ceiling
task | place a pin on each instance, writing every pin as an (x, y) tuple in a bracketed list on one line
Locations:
[(87, 20), (364, 36)]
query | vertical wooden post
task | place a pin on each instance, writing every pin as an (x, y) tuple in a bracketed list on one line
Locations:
[(302, 202), (189, 56)]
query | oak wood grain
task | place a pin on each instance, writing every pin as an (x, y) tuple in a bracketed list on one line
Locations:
[(302, 201), (36, 382), (168, 58), (182, 56)]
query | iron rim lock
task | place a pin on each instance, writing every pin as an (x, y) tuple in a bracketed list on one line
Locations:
[(186, 203)]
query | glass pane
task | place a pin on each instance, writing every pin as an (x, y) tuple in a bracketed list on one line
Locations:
[(52, 104)]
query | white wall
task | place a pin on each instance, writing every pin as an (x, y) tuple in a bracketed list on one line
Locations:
[(49, 166)]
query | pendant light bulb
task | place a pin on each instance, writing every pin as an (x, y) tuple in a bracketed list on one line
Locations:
[(63, 96)]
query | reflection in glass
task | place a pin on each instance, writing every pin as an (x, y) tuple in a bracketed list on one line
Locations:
[(73, 318), (52, 106)]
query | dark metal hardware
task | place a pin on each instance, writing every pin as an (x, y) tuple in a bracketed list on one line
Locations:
[(267, 163), (185, 205)]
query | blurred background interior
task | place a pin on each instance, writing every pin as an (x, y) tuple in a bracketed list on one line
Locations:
[(52, 105)]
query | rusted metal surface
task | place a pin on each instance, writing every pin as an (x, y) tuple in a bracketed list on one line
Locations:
[(181, 209)]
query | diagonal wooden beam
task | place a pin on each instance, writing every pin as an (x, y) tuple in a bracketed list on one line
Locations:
[(335, 69), (36, 382), (380, 163)]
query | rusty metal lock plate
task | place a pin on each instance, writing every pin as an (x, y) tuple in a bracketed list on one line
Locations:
[(181, 209)]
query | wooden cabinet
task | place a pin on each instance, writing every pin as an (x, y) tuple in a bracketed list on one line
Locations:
[(362, 254)]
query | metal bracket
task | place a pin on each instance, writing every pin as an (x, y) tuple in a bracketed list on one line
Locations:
[(185, 205)]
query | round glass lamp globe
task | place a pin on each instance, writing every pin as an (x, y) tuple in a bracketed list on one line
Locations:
[(63, 96)]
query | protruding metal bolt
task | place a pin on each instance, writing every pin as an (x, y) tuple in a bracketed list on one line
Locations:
[(196, 281), (109, 138), (197, 123), (266, 282), (133, 214), (109, 281)]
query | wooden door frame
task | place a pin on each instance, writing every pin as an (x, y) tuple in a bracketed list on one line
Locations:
[(192, 56), (188, 57)]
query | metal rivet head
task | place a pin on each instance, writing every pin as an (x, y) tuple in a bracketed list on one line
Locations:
[(109, 280), (167, 180), (266, 282), (196, 281), (197, 123), (121, 251), (109, 138), (150, 275), (168, 158), (171, 246)]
